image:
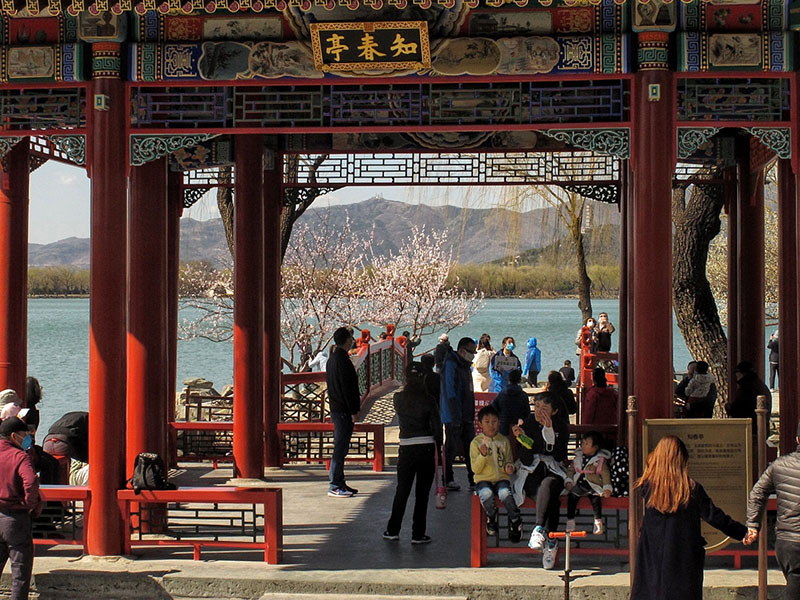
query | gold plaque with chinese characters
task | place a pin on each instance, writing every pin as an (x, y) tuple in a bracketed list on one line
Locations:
[(720, 459), (400, 45)]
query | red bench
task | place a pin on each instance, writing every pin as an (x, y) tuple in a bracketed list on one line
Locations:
[(65, 521), (271, 499), (480, 548)]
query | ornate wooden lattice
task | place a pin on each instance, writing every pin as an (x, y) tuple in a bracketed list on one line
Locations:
[(43, 109), (193, 520), (197, 183), (379, 105), (363, 384), (556, 168), (399, 373), (63, 148), (304, 402), (316, 446), (374, 369), (60, 520), (386, 364), (719, 99), (204, 445)]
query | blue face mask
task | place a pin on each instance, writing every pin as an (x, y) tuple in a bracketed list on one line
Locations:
[(27, 442), (510, 346)]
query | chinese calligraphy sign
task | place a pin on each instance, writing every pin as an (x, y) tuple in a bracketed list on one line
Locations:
[(371, 46)]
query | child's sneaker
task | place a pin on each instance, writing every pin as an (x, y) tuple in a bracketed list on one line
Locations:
[(598, 527), (549, 554), (570, 524), (515, 531), (537, 538), (491, 525)]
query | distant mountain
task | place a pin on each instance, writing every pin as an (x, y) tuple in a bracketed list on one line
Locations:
[(476, 235)]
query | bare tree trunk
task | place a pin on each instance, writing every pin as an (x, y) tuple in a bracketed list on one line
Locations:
[(225, 205), (295, 203), (584, 282), (696, 223)]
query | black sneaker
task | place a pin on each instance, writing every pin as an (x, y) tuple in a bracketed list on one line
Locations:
[(515, 531), (452, 486), (491, 525), (390, 536), (353, 491), (425, 539)]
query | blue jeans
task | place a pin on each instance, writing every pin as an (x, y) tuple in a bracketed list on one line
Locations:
[(487, 491), (342, 431)]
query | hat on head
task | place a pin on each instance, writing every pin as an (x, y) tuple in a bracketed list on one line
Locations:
[(12, 425), (9, 396), (444, 337), (10, 410)]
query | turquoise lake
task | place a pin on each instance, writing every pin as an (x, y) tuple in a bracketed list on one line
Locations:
[(58, 344)]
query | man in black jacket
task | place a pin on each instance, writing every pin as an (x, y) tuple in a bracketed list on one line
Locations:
[(782, 478), (345, 402)]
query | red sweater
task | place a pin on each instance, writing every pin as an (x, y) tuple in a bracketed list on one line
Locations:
[(600, 406), (19, 485)]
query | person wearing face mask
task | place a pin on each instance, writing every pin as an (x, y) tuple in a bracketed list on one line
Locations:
[(502, 364), (587, 337), (19, 503), (458, 408)]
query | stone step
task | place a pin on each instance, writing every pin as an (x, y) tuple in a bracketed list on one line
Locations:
[(290, 596)]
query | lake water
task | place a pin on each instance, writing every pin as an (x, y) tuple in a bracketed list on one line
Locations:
[(58, 344)]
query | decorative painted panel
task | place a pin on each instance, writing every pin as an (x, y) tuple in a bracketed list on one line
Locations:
[(701, 15), (25, 110), (38, 30), (770, 51), (226, 61), (152, 27), (605, 17), (102, 27), (653, 15), (24, 64)]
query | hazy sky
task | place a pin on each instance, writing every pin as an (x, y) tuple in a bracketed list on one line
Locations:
[(59, 200)]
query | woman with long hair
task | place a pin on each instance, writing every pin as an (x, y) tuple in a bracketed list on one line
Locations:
[(670, 554), (481, 377)]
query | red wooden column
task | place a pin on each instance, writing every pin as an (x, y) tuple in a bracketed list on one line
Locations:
[(108, 138), (651, 285), (273, 197), (248, 309), (14, 184), (148, 366), (788, 322), (174, 212), (750, 260), (731, 191)]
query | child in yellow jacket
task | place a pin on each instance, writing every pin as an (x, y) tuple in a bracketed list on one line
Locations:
[(492, 463)]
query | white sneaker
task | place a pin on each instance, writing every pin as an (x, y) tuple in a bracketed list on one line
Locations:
[(537, 538), (549, 554), (570, 524), (598, 527)]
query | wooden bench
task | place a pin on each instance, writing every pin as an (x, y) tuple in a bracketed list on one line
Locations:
[(322, 455), (217, 519), (480, 548), (479, 543), (61, 521)]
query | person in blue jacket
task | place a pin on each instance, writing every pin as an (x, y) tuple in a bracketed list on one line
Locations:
[(502, 363), (533, 363), (457, 408)]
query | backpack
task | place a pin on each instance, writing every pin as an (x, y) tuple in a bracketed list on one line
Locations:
[(149, 473)]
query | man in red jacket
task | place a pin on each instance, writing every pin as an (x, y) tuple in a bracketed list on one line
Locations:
[(19, 503)]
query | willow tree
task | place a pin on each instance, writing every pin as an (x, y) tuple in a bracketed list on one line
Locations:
[(570, 207)]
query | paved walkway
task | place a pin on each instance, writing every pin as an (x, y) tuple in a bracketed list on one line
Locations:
[(333, 548)]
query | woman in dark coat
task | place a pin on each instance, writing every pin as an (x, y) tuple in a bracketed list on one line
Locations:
[(670, 554)]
